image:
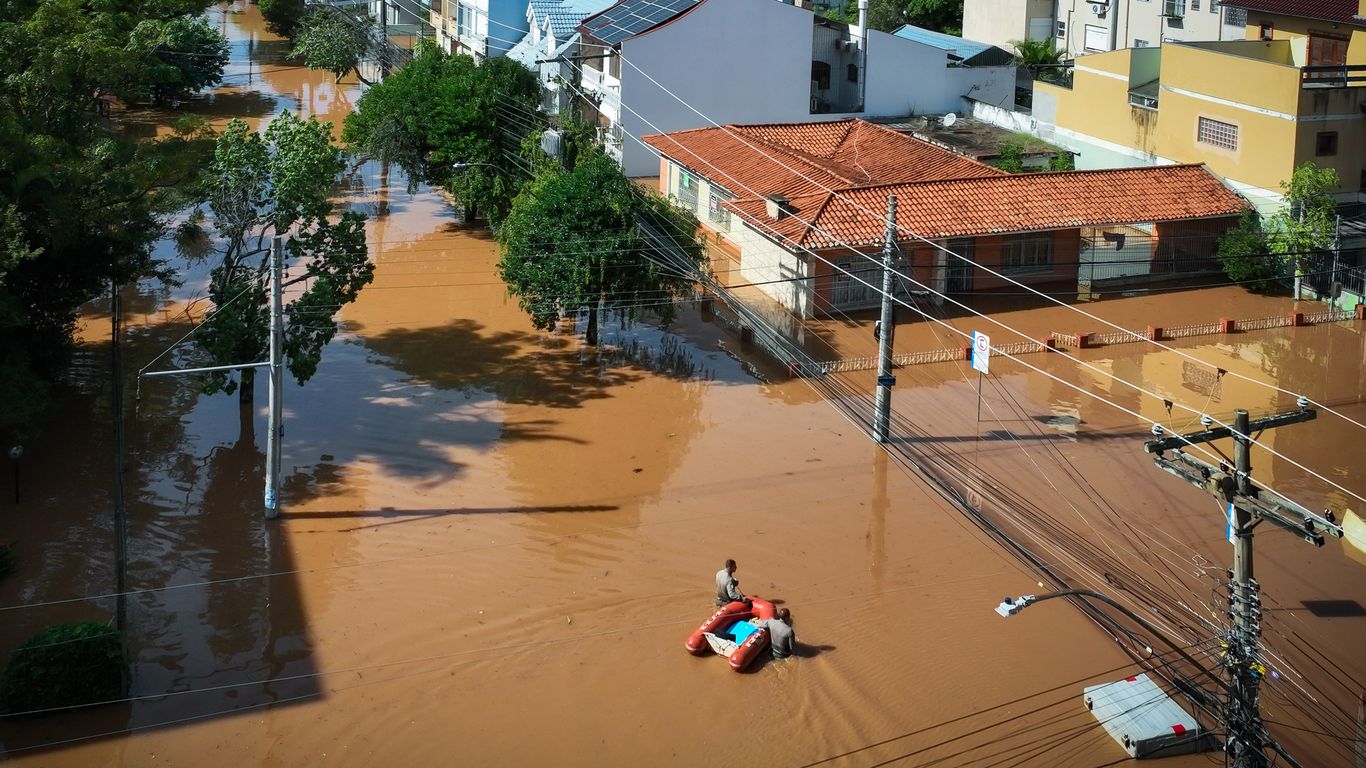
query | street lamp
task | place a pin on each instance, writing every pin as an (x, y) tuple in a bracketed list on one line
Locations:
[(459, 166), (1010, 607), (16, 452)]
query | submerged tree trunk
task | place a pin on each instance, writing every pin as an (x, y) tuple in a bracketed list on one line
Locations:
[(591, 334), (246, 392)]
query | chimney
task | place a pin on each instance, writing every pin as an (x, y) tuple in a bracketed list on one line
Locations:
[(776, 206)]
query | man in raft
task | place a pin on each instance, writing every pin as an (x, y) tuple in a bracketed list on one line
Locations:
[(782, 640), (727, 588)]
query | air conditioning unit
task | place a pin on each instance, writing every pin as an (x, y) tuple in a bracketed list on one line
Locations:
[(1099, 8)]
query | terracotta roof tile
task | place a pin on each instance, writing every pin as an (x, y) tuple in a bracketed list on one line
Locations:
[(795, 159), (1329, 10), (998, 204)]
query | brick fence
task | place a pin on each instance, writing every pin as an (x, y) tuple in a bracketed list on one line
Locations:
[(1088, 340)]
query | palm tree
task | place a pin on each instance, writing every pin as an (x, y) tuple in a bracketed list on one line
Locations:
[(1040, 57)]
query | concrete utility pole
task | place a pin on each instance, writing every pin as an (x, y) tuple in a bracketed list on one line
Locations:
[(276, 379), (1248, 506), (882, 415)]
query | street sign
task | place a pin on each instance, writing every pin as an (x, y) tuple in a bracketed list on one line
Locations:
[(981, 352)]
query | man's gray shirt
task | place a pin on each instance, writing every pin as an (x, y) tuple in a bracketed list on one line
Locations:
[(781, 639), (725, 593)]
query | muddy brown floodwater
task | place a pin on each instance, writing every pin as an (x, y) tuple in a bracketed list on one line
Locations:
[(495, 541)]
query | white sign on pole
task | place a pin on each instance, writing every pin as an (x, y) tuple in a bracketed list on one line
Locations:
[(981, 352)]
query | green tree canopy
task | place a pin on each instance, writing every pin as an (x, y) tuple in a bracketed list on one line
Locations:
[(1245, 255), (1308, 221), (442, 109), (191, 56), (333, 40), (80, 205), (279, 184), (573, 240), (888, 15), (283, 16)]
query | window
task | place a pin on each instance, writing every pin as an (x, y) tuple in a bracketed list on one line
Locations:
[(1266, 31), (1140, 43), (1213, 6), (687, 190), (1235, 17), (851, 73), (1027, 253), (1326, 144), (1174, 8), (820, 75), (716, 210), (1195, 5), (1097, 38), (1327, 50), (1062, 28), (1217, 133)]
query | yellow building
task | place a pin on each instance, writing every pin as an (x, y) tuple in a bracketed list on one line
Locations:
[(1251, 110), (1333, 31)]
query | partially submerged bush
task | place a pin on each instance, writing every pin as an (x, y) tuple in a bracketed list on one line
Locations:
[(65, 665)]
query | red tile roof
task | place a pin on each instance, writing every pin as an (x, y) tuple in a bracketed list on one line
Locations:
[(997, 204), (795, 159), (1328, 10)]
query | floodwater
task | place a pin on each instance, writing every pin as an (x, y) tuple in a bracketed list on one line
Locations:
[(495, 541)]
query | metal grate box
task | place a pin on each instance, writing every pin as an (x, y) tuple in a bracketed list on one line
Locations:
[(1145, 720)]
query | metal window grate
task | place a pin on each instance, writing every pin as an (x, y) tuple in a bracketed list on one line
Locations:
[(1217, 133)]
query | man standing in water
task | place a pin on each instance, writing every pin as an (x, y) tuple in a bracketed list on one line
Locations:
[(782, 640), (727, 588)]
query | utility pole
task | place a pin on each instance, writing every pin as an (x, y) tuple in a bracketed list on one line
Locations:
[(120, 510), (275, 378), (1248, 506), (882, 415), (272, 500)]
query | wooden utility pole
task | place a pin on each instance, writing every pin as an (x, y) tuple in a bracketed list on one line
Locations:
[(882, 413), (1247, 505)]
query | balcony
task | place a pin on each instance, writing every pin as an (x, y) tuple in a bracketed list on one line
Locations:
[(1345, 76)]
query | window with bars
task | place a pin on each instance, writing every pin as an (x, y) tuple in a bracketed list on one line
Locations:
[(687, 190), (716, 210), (1021, 254), (1217, 133)]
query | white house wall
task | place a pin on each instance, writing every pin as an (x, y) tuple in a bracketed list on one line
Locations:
[(761, 260), (749, 61)]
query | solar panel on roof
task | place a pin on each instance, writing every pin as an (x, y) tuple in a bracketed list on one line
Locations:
[(632, 17)]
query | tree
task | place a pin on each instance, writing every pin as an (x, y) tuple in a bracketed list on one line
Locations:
[(80, 204), (573, 240), (442, 109), (938, 15), (1246, 257), (1040, 58), (191, 56), (283, 16), (1308, 221), (333, 40), (1011, 157), (279, 184)]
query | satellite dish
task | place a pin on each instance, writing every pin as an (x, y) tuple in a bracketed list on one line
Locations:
[(950, 119)]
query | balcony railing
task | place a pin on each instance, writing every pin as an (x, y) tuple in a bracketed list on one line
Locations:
[(1346, 76)]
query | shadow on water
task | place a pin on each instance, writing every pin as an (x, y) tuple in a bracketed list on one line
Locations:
[(513, 366), (396, 516), (214, 619)]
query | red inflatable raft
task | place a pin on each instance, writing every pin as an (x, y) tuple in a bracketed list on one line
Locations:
[(737, 631)]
